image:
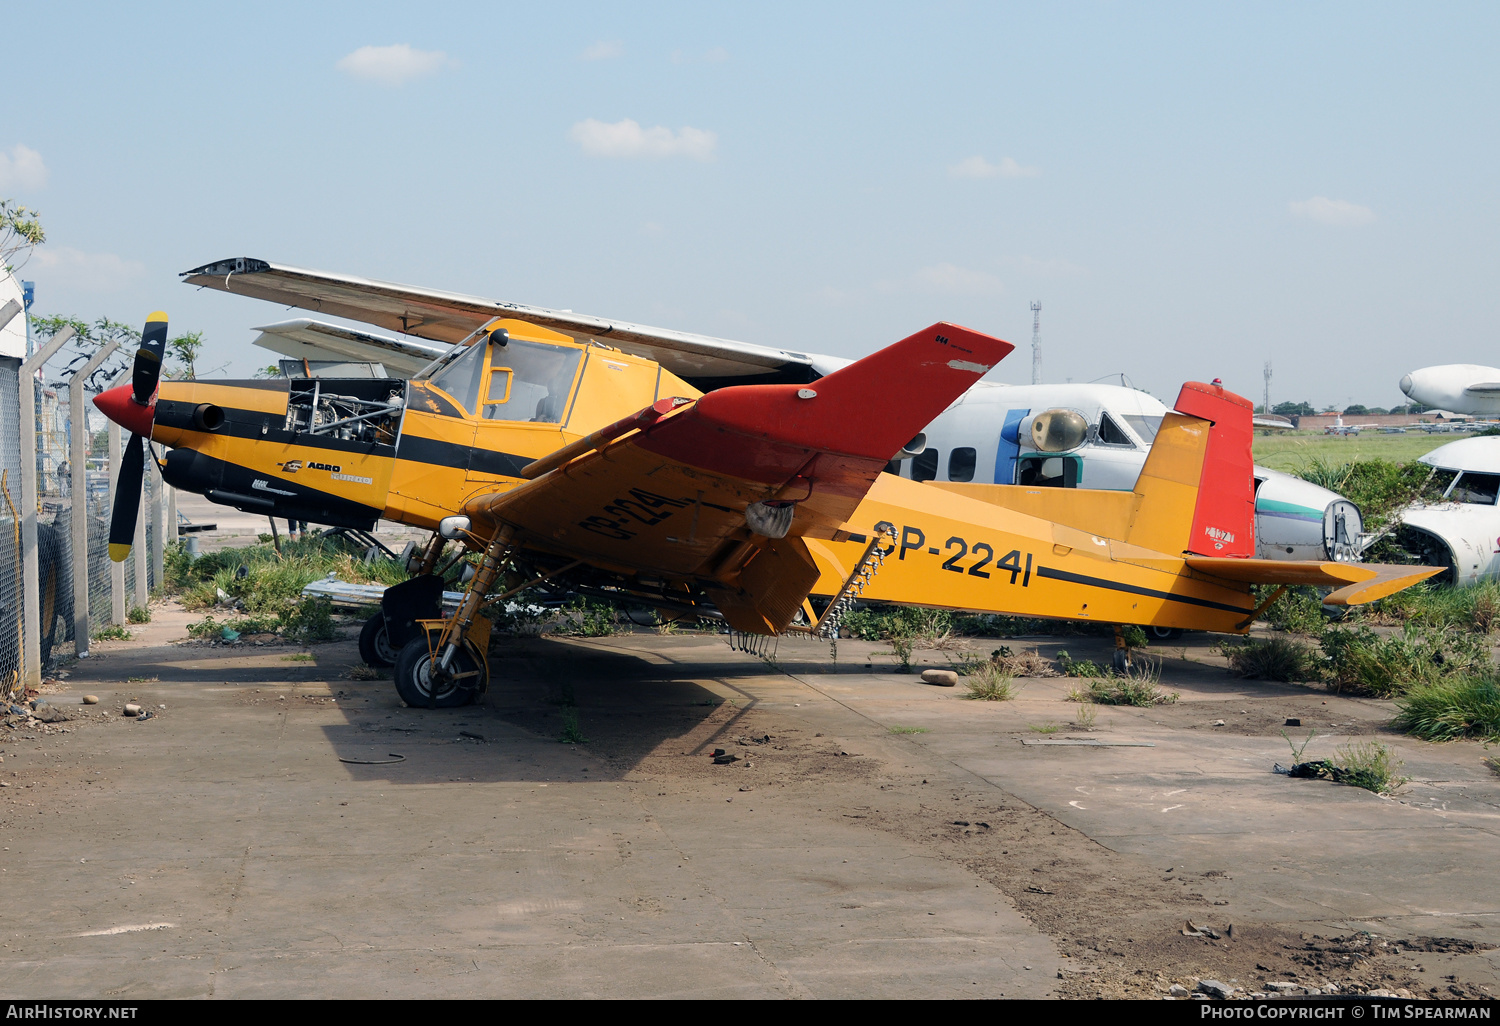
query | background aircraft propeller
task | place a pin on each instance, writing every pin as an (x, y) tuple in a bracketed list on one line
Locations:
[(143, 381)]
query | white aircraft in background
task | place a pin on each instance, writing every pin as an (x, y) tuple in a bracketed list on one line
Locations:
[(1462, 531), (1065, 436), (1459, 387)]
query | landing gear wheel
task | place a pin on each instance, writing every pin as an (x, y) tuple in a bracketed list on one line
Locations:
[(468, 675), (375, 645), (1122, 660), (1165, 633)]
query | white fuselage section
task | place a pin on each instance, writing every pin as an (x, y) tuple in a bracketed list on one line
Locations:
[(1457, 387), (1462, 532), (981, 438)]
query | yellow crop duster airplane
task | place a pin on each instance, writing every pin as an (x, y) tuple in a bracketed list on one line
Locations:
[(604, 472)]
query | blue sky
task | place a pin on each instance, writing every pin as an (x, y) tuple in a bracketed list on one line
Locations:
[(1189, 190)]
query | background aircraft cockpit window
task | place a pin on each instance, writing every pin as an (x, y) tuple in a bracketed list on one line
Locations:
[(1048, 471), (540, 380), (961, 464), (461, 376), (1146, 427), (924, 465), (1476, 489), (1111, 433)]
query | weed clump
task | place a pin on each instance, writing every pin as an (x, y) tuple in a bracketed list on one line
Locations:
[(1278, 659), (571, 733), (585, 619), (138, 614), (1079, 667), (1139, 687), (1460, 706), (1367, 764), (990, 684)]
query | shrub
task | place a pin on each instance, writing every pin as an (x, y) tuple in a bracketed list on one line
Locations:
[(1279, 659), (207, 628), (1362, 662), (1298, 610), (311, 619), (113, 632), (1078, 667), (586, 619), (138, 614)]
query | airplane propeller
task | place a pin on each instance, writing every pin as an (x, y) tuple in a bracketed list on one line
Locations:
[(134, 407)]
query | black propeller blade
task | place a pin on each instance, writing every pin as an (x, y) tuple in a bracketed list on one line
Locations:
[(143, 381), (148, 358), (127, 499)]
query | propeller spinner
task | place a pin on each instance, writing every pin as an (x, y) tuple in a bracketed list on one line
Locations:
[(133, 406)]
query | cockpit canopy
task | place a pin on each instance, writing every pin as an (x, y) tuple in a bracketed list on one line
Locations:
[(498, 377)]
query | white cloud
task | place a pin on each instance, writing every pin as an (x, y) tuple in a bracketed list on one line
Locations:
[(715, 55), (21, 168), (952, 280), (978, 167), (1052, 267), (392, 65), (1332, 211), (603, 50), (88, 272), (628, 139)]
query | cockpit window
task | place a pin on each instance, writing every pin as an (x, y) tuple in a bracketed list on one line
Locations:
[(531, 382), (1146, 427), (1111, 433), (460, 376), (1476, 489)]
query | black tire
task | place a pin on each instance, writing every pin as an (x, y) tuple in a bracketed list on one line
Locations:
[(412, 675), (374, 646), (1165, 633), (1122, 660)]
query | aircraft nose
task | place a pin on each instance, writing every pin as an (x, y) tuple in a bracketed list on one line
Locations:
[(119, 405), (1406, 385)]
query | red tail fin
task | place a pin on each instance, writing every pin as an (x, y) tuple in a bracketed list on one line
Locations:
[(1224, 518)]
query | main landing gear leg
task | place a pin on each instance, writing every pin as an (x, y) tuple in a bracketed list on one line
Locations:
[(1122, 652), (446, 666), (375, 645)]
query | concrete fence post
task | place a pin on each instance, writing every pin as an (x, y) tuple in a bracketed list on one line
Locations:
[(82, 442), (31, 575)]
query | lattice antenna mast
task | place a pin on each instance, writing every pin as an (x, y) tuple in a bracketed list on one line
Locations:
[(1267, 372), (1036, 343)]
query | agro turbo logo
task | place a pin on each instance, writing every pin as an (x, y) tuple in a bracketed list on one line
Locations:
[(292, 466)]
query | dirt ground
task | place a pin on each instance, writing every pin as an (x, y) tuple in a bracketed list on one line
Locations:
[(874, 836)]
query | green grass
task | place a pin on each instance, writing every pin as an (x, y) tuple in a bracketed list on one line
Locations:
[(1292, 451), (906, 730), (1362, 662), (571, 734), (113, 632), (1044, 728), (298, 657), (138, 614)]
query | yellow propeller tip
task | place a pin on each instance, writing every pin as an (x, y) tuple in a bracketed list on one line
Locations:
[(159, 315), (119, 553)]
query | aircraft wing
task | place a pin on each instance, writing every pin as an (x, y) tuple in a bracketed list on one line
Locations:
[(304, 339), (1485, 388), (451, 317), (1355, 583), (723, 489), (1275, 423)]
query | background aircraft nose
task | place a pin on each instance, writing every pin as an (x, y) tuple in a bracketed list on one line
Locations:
[(1406, 385)]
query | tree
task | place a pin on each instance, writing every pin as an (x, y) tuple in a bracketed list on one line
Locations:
[(184, 349), (273, 371), (20, 233), (1302, 409)]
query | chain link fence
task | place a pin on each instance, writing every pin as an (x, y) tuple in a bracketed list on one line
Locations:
[(72, 481)]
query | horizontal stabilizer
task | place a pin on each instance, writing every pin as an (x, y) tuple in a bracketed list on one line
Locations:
[(1356, 583)]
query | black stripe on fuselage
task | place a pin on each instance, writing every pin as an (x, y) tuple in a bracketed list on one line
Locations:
[(1099, 582), (258, 425), (461, 457)]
